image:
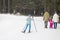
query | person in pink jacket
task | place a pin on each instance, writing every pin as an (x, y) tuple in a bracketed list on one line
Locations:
[(51, 23)]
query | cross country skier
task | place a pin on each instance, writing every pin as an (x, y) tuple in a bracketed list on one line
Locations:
[(50, 22), (55, 19), (46, 18), (28, 24)]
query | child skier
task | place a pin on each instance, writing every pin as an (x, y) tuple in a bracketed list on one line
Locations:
[(55, 19), (28, 24), (51, 22)]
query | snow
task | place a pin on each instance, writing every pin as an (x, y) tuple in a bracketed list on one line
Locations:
[(12, 25)]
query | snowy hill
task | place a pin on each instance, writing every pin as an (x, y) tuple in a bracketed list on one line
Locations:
[(12, 25)]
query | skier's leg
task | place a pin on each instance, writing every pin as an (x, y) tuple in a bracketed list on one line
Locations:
[(26, 27), (46, 24), (51, 25), (29, 27), (55, 25)]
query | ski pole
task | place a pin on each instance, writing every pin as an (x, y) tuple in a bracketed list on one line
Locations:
[(34, 24)]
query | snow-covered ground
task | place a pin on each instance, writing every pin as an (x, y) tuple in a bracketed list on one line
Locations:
[(12, 25)]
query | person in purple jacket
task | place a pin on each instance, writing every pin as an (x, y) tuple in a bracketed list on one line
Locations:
[(50, 22)]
